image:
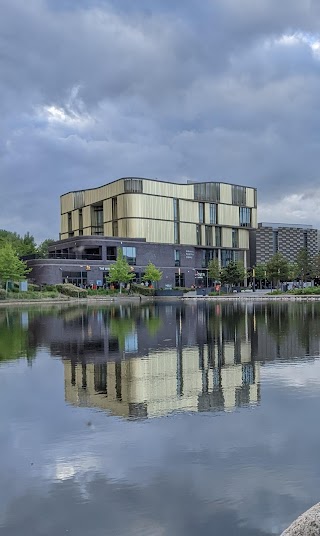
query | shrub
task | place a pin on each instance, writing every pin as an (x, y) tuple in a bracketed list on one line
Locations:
[(141, 289), (71, 290), (3, 294)]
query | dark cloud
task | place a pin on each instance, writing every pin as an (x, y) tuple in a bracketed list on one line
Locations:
[(95, 90)]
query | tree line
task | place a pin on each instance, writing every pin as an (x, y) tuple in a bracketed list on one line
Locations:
[(276, 270), (13, 247)]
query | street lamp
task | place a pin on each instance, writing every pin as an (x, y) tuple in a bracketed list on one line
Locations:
[(81, 266)]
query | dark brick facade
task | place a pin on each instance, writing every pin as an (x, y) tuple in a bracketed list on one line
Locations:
[(51, 270)]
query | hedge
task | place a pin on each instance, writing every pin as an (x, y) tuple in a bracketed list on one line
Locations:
[(141, 289), (3, 294), (72, 291)]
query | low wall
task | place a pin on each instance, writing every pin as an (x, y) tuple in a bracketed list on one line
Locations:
[(308, 524)]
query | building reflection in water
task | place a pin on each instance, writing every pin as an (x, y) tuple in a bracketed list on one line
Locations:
[(152, 361)]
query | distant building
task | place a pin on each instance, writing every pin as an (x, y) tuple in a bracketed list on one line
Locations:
[(288, 239)]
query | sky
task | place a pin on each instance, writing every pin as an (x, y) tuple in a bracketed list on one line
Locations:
[(95, 90)]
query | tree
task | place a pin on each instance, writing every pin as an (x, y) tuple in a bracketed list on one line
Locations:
[(316, 266), (22, 245), (152, 273), (233, 273), (120, 272), (214, 270), (277, 268), (11, 268), (42, 249), (260, 272), (304, 265)]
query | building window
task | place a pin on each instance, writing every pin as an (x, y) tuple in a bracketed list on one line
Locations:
[(208, 233), (207, 256), (176, 232), (177, 259), (245, 217), (179, 280), (201, 212), (207, 191), (130, 255), (111, 253), (176, 225), (275, 237), (80, 222), (78, 199), (100, 378), (255, 198), (114, 228), (176, 209), (133, 186), (70, 231), (213, 214), (239, 196), (198, 234), (97, 219), (114, 206), (235, 240), (227, 255), (218, 237)]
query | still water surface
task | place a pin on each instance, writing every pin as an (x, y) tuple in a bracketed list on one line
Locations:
[(158, 420)]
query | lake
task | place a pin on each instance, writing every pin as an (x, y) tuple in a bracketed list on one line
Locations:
[(166, 419)]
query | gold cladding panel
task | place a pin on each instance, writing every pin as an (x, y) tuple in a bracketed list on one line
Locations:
[(254, 221), (226, 237), (86, 216), (188, 233), (189, 211), (250, 197), (96, 195), (145, 206), (168, 190), (87, 231), (64, 224), (151, 230), (66, 203), (107, 229), (225, 193), (228, 215), (107, 210), (243, 239), (75, 220)]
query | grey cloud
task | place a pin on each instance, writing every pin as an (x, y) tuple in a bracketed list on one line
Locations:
[(201, 91)]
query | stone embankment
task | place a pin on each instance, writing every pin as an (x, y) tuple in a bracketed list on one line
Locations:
[(308, 524)]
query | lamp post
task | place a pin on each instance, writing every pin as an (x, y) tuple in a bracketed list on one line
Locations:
[(81, 279), (254, 279)]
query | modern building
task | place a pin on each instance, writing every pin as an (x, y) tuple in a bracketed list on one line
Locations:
[(288, 239), (178, 227)]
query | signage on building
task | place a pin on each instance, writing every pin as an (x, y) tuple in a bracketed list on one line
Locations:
[(104, 268), (189, 253), (200, 274)]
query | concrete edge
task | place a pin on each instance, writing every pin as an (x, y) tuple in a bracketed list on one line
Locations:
[(308, 524)]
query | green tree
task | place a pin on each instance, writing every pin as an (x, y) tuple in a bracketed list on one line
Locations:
[(22, 245), (304, 265), (260, 272), (152, 273), (277, 268), (214, 270), (120, 271), (11, 267), (42, 249), (316, 266), (233, 274)]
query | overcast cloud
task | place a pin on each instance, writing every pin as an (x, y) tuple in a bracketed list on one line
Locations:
[(94, 90)]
